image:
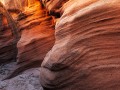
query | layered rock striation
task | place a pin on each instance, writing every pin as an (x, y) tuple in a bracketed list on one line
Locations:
[(36, 30), (35, 27), (77, 41), (9, 36), (37, 36), (86, 53)]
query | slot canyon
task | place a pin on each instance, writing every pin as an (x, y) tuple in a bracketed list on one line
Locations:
[(59, 44)]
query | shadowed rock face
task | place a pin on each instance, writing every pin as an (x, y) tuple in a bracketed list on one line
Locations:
[(8, 36), (86, 53), (53, 6)]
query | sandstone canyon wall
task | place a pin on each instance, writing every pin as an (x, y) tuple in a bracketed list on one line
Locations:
[(77, 42), (86, 53), (35, 27), (8, 36)]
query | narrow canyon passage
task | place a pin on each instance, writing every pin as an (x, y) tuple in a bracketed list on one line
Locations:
[(60, 45), (36, 30), (37, 38)]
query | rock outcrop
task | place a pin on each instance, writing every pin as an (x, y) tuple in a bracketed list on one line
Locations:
[(36, 31), (36, 28), (77, 42), (9, 36), (86, 53)]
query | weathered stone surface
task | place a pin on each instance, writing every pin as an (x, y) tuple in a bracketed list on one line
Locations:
[(8, 36), (17, 4), (37, 30), (86, 53), (54, 6), (37, 36)]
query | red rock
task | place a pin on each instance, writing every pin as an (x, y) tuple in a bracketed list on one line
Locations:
[(8, 36), (37, 36), (86, 53)]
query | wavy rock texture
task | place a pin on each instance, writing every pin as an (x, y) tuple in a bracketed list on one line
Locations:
[(37, 34), (8, 36), (86, 53), (18, 4), (8, 48), (37, 30), (37, 38)]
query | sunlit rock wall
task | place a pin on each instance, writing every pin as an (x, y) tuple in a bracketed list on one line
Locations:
[(35, 27), (37, 36)]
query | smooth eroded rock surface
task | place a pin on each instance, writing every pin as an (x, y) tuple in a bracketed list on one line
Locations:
[(77, 42), (86, 53), (36, 30), (35, 27)]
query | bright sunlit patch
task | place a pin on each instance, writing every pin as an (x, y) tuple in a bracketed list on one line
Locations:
[(20, 4), (3, 1), (32, 5)]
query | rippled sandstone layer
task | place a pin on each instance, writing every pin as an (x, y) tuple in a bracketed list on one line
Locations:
[(86, 53), (37, 36), (36, 31)]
